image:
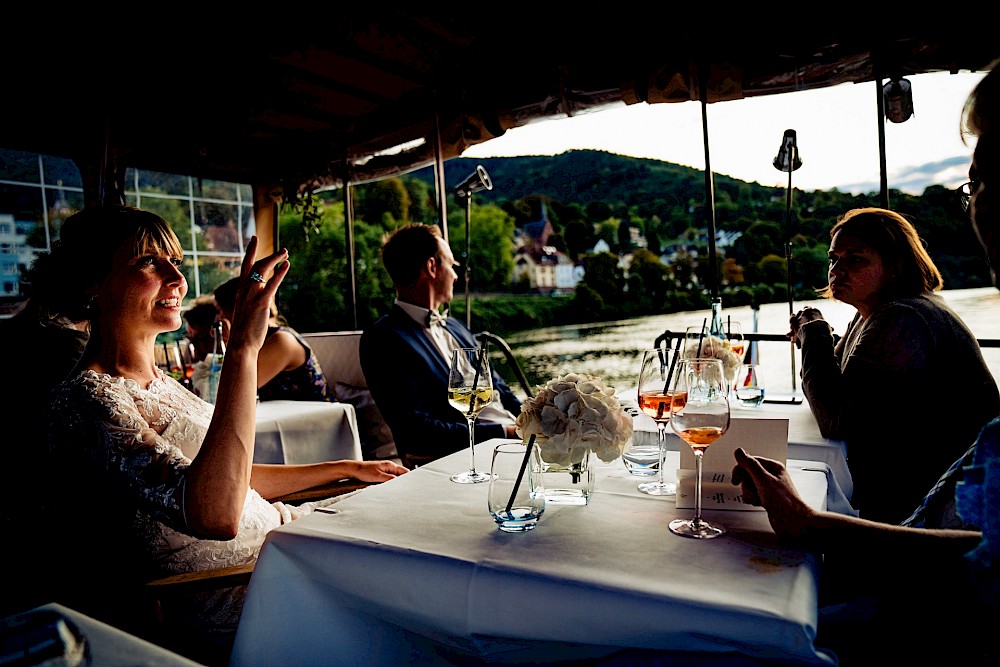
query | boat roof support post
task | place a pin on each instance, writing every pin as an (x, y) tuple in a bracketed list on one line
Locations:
[(352, 285), (440, 194), (713, 270), (883, 176)]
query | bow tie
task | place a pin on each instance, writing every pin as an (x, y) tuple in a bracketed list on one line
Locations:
[(436, 318)]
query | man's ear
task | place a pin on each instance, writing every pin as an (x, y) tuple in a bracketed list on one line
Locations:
[(432, 266)]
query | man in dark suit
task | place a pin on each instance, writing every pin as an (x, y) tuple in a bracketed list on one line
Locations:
[(405, 354)]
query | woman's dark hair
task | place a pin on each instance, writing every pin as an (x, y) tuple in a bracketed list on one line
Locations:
[(909, 270), (63, 282)]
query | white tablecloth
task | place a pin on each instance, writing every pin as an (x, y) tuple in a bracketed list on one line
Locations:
[(306, 432), (108, 645), (414, 571), (804, 439)]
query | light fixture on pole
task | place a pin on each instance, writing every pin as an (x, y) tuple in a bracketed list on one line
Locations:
[(474, 182), (788, 160), (898, 98)]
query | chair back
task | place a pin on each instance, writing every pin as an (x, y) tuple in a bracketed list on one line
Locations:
[(340, 358)]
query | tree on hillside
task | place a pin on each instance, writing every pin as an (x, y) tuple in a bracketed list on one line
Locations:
[(422, 206), (388, 196), (652, 274), (624, 235), (580, 238), (598, 211), (603, 275), (492, 244), (312, 295), (607, 231)]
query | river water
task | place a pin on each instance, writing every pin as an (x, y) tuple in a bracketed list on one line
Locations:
[(612, 350)]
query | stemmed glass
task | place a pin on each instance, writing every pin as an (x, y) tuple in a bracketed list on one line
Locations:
[(656, 387), (700, 418), (470, 389), (699, 342)]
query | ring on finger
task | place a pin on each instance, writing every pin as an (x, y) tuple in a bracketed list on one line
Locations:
[(257, 277)]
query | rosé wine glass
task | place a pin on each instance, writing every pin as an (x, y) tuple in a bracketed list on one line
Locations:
[(657, 374), (700, 418)]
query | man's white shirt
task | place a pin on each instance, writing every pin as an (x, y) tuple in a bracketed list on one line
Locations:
[(446, 344)]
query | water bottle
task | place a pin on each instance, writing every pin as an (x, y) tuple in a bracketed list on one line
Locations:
[(215, 366)]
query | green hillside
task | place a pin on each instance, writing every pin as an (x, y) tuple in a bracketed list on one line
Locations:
[(648, 211)]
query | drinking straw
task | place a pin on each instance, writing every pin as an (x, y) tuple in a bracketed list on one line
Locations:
[(475, 378), (701, 335), (520, 473), (673, 363)]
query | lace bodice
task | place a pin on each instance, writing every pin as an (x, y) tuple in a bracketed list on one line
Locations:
[(135, 442)]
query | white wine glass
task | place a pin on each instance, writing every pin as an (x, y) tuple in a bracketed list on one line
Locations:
[(657, 372), (470, 389), (700, 416)]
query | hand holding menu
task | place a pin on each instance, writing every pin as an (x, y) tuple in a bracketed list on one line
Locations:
[(760, 437)]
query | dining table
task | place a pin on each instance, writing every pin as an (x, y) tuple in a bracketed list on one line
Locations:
[(415, 571), (33, 636), (294, 432)]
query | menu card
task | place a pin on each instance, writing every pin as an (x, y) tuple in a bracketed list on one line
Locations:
[(760, 437)]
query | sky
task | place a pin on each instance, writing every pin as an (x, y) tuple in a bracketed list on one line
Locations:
[(836, 129)]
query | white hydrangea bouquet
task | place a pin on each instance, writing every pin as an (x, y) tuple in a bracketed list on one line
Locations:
[(572, 414)]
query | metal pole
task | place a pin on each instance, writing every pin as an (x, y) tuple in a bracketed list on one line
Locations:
[(352, 287), (468, 260), (439, 186), (788, 254), (709, 188), (880, 105)]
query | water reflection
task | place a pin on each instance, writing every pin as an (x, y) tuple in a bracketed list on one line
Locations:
[(612, 350)]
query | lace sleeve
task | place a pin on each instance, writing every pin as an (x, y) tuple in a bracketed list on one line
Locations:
[(96, 424)]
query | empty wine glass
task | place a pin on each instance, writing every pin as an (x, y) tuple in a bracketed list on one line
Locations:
[(470, 389), (656, 374), (700, 416)]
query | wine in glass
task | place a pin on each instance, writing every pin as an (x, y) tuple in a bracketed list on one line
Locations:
[(655, 395), (700, 418), (470, 389)]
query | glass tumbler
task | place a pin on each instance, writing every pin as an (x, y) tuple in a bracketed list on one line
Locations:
[(748, 387), (516, 496)]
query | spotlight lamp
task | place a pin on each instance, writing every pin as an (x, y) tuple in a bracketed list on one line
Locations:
[(787, 158), (474, 182), (897, 96)]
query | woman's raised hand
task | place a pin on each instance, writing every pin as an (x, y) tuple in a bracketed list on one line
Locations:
[(255, 294), (800, 318)]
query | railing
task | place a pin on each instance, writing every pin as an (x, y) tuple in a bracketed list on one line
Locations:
[(666, 337), (500, 343)]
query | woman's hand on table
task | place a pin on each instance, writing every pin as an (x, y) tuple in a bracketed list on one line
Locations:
[(377, 471), (766, 483)]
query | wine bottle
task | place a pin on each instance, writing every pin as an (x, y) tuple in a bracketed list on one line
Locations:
[(217, 358), (716, 327)]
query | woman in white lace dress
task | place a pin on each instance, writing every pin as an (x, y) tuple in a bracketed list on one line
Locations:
[(179, 472)]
